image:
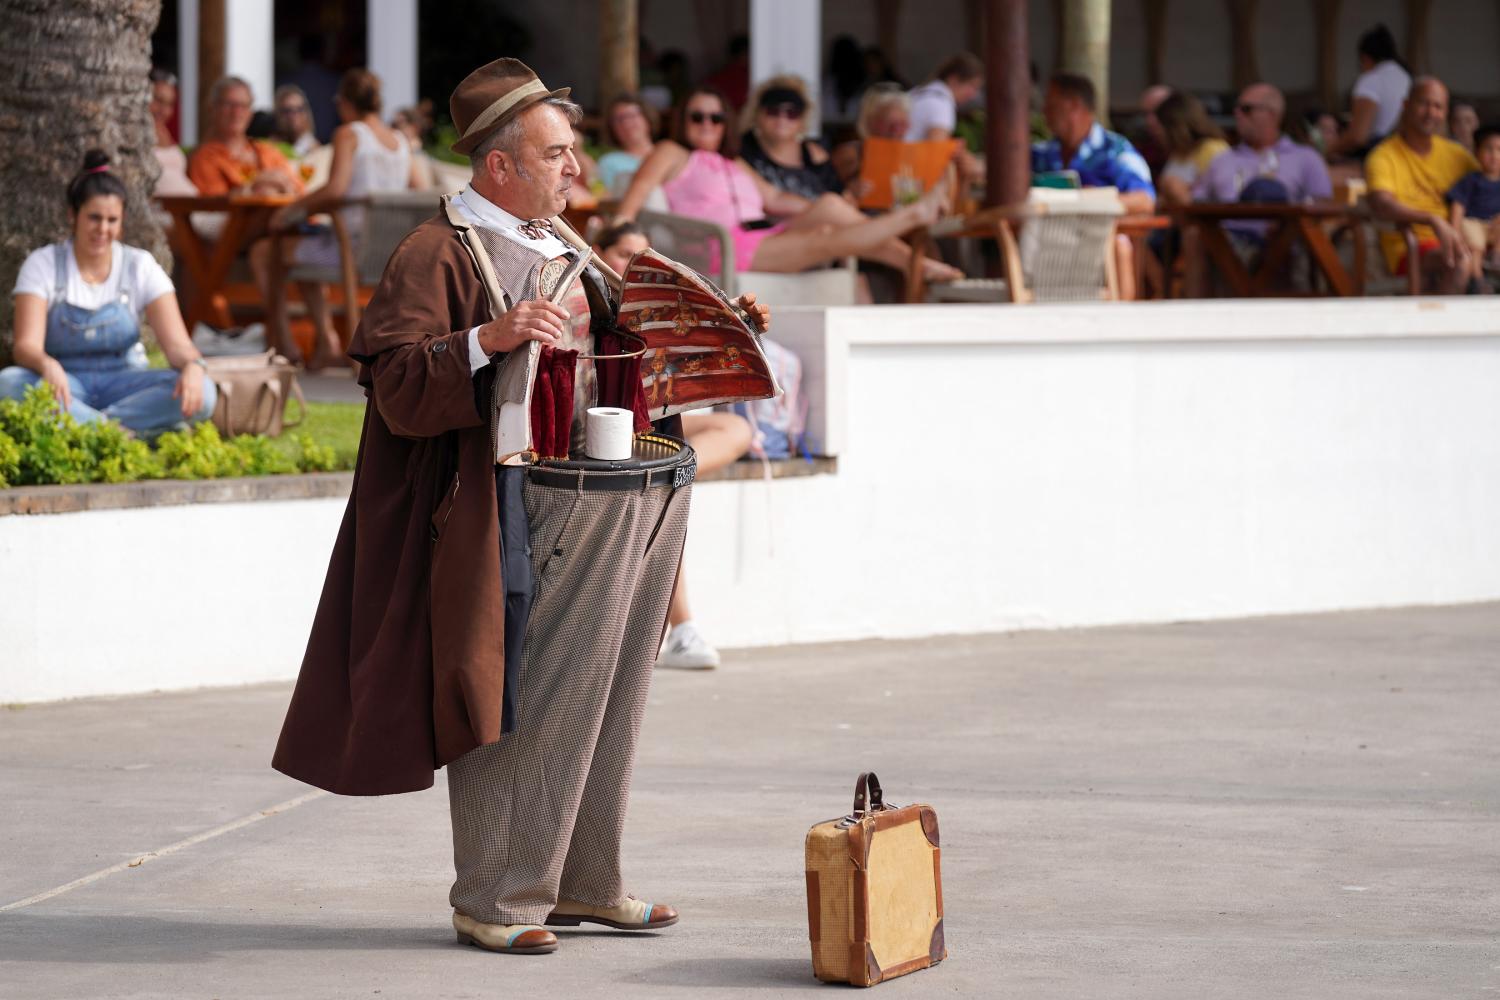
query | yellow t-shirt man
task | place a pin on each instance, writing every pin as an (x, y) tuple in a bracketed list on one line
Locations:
[(1416, 181)]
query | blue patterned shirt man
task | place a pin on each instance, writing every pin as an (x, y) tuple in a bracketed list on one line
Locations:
[(1100, 157), (1104, 159)]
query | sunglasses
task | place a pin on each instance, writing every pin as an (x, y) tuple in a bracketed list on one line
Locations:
[(700, 117), (791, 111), (1249, 109)]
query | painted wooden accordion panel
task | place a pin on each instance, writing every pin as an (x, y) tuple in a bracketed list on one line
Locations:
[(700, 349)]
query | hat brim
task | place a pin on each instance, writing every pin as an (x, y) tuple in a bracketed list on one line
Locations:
[(469, 143)]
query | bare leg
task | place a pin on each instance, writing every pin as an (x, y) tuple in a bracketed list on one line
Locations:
[(797, 249), (719, 439), (1125, 268), (1442, 278), (327, 352), (831, 210), (262, 267)]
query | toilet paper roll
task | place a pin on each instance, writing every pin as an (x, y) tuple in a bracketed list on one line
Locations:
[(609, 434)]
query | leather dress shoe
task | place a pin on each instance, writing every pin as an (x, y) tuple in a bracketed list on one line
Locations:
[(508, 939), (630, 914)]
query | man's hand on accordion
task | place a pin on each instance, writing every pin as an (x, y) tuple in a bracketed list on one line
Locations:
[(758, 313), (533, 319)]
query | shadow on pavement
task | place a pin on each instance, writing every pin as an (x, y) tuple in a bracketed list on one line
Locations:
[(730, 973), (125, 937)]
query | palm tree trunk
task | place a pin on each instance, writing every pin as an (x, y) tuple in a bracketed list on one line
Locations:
[(1085, 46), (73, 76)]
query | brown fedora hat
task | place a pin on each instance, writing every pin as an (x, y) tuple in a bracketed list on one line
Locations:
[(491, 96)]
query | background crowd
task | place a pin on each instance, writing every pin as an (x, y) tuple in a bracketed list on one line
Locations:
[(788, 168)]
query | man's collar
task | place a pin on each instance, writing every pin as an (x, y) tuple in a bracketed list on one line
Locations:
[(1092, 141), (492, 215), (1279, 146)]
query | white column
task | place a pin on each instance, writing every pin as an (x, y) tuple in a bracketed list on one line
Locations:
[(249, 36), (786, 36), (391, 44), (187, 70)]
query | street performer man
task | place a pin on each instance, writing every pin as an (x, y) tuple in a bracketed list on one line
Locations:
[(477, 615)]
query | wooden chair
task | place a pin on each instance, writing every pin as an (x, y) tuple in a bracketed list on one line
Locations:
[(1056, 247), (1371, 277), (389, 217)]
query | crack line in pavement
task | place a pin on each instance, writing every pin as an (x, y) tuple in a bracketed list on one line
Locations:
[(197, 838)]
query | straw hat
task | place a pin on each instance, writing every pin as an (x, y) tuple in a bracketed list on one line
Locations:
[(491, 96)]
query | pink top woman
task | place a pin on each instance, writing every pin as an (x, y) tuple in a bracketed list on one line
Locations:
[(714, 188)]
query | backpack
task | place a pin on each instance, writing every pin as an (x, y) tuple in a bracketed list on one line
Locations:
[(778, 423)]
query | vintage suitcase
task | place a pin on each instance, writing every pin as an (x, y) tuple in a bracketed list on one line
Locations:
[(874, 891)]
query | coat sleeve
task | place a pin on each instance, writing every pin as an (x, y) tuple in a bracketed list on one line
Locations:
[(414, 338)]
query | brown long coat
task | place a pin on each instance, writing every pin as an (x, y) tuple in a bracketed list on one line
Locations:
[(405, 665)]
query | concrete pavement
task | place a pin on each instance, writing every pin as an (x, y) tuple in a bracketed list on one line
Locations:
[(1285, 807)]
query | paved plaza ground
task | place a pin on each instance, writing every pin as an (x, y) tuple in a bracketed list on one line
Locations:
[(1282, 807)]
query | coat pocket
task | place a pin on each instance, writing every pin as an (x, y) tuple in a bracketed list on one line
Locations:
[(444, 509)]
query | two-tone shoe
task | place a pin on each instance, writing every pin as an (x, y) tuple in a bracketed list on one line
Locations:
[(507, 939), (630, 914)]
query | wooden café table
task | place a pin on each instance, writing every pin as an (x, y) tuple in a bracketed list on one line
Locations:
[(1204, 239), (208, 261)]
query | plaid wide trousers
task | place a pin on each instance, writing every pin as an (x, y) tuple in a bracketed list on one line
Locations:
[(539, 815)]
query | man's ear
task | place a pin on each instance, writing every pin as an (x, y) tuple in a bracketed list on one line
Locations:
[(497, 165)]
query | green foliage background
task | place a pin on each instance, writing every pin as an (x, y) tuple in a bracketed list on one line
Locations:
[(41, 445)]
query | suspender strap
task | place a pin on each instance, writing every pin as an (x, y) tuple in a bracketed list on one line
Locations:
[(127, 278), (60, 257)]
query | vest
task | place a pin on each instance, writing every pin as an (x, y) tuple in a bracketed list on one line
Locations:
[(523, 273)]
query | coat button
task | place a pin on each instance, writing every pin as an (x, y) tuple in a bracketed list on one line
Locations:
[(440, 347)]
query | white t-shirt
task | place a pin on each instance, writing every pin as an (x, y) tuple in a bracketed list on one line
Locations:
[(932, 106), (1387, 85), (38, 277)]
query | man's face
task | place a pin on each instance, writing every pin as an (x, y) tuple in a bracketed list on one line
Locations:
[(232, 112), (534, 183), (1066, 116), (1427, 108), (1256, 119), (293, 117)]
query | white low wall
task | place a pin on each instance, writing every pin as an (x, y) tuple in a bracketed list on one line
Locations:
[(156, 598), (999, 467)]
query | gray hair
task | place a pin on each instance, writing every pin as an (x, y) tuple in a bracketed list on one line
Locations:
[(223, 83), (290, 90), (507, 138)]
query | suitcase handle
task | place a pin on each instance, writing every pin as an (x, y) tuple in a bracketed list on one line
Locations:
[(867, 787)]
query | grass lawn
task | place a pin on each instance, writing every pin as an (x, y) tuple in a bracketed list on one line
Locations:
[(336, 425)]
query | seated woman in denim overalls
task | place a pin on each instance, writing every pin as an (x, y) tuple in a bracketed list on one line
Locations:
[(77, 321)]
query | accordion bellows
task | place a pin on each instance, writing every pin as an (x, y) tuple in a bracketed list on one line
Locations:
[(875, 891)]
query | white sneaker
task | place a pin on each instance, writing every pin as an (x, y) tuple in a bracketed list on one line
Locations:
[(685, 649)]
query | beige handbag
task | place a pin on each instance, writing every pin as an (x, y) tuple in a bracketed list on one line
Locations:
[(253, 390)]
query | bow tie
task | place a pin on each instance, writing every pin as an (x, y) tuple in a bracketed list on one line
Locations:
[(536, 229)]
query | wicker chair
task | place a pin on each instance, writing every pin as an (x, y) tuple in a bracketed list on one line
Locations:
[(1063, 251), (690, 241)]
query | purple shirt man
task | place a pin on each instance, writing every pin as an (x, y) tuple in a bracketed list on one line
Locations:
[(1263, 152)]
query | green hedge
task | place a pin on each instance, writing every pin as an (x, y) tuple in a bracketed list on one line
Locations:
[(41, 445)]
